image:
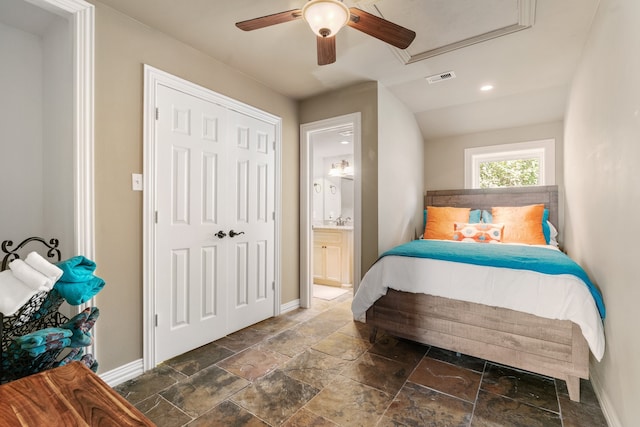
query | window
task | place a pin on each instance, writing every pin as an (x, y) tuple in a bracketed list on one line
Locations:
[(510, 165)]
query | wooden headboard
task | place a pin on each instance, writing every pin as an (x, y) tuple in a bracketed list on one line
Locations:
[(489, 197)]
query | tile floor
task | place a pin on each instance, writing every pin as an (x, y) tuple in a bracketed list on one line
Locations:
[(316, 367)]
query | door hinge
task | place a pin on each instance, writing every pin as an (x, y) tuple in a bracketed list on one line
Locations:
[(273, 143), (273, 285), (273, 215), (155, 217), (157, 113), (156, 320)]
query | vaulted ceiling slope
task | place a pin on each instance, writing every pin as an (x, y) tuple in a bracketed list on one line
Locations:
[(527, 49)]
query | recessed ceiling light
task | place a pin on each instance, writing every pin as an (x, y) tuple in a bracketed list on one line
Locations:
[(486, 88), (344, 142)]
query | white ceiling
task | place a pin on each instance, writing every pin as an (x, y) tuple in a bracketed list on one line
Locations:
[(531, 69)]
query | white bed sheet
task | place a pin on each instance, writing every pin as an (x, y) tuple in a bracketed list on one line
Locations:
[(563, 297)]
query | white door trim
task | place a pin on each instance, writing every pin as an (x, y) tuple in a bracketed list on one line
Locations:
[(152, 78), (80, 16), (306, 199)]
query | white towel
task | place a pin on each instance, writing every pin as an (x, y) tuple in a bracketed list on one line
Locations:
[(30, 276), (13, 293), (35, 260)]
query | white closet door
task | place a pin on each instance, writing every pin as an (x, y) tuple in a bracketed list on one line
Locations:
[(251, 202), (215, 174)]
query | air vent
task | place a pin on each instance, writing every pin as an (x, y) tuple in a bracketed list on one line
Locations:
[(441, 77)]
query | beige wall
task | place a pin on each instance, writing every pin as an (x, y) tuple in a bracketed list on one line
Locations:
[(400, 172), (361, 98), (122, 47), (602, 151), (444, 157)]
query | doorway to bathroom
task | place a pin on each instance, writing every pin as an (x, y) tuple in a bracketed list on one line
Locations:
[(330, 205)]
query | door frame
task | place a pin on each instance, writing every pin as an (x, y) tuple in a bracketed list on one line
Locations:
[(81, 18), (152, 78), (306, 199)]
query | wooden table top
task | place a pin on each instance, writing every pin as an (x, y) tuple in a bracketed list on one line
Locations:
[(71, 395)]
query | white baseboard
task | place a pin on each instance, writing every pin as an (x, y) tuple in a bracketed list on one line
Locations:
[(290, 306), (605, 403), (124, 373)]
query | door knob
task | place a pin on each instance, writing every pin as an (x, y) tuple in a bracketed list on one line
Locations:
[(220, 234), (233, 233)]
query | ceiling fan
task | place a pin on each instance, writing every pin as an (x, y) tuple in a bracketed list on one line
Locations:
[(327, 17)]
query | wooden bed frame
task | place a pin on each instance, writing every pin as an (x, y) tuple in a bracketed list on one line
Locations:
[(554, 348)]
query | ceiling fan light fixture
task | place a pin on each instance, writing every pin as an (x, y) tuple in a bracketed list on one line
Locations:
[(325, 17)]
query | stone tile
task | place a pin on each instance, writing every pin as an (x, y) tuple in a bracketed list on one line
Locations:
[(587, 394), (522, 386), (304, 418), (400, 350), (577, 414), (274, 325), (350, 403), (198, 359), (300, 315), (253, 363), (242, 339), (356, 330), (493, 410), (162, 413), (342, 346), (149, 383), (320, 327), (458, 359), (420, 406), (446, 378), (388, 422), (290, 343), (204, 390), (227, 414), (314, 367), (275, 397), (379, 372)]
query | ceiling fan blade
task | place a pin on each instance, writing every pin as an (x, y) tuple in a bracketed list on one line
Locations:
[(267, 21), (326, 50), (380, 28)]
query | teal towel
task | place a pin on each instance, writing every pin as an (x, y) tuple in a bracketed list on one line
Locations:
[(76, 269), (78, 284), (53, 345), (42, 336)]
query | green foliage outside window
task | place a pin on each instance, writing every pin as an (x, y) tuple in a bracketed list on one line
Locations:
[(509, 173)]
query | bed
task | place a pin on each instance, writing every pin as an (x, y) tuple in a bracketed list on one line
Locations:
[(487, 313)]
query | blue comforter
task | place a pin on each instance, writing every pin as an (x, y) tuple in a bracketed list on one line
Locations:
[(519, 257)]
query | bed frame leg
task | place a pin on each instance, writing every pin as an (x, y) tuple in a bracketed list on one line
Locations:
[(573, 385), (372, 336)]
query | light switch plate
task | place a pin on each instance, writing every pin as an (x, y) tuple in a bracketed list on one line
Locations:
[(136, 182)]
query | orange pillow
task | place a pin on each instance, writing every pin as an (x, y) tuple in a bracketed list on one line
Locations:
[(522, 224), (441, 221)]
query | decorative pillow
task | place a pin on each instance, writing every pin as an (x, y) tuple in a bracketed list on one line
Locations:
[(441, 220), (547, 227), (480, 233), (474, 217), (522, 224)]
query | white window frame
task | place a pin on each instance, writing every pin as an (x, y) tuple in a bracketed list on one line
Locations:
[(543, 150)]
